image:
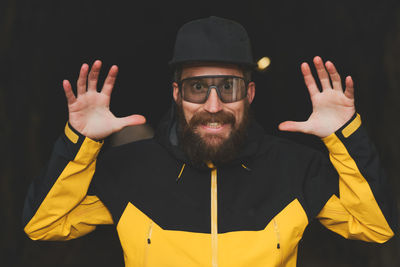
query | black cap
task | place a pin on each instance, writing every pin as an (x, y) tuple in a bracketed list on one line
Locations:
[(212, 39)]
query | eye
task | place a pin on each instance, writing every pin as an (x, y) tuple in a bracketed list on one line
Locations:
[(227, 86), (198, 86)]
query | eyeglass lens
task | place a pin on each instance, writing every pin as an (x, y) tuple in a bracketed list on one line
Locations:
[(229, 89)]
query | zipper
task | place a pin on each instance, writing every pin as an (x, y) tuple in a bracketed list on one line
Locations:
[(214, 216), (278, 241), (148, 243)]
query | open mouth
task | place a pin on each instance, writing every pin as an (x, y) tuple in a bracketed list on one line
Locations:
[(213, 125), (220, 123)]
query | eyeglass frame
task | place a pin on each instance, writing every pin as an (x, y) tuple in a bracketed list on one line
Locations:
[(214, 86)]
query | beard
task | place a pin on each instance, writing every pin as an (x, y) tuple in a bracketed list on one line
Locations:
[(214, 148)]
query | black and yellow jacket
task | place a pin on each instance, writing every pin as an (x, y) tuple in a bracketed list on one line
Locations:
[(251, 212)]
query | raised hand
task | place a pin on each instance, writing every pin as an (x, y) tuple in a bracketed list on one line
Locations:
[(89, 111), (332, 107)]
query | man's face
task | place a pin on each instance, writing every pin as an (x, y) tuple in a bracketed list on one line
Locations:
[(213, 121), (211, 132)]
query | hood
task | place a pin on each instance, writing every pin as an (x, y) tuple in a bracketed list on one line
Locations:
[(166, 134)]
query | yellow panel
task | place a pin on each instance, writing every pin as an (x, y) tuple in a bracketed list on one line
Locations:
[(166, 248), (356, 215), (260, 248), (66, 212), (352, 127), (240, 248), (73, 137)]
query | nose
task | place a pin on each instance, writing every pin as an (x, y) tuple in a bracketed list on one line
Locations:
[(213, 103)]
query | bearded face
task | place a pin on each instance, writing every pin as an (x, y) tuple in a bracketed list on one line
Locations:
[(214, 130), (217, 147)]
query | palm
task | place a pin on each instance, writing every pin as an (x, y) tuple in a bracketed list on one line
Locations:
[(89, 112), (332, 107), (91, 116)]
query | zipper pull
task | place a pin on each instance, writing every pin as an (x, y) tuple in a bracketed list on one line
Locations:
[(246, 168), (278, 245), (149, 233)]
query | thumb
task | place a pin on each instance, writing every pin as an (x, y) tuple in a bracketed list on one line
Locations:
[(131, 121), (294, 126)]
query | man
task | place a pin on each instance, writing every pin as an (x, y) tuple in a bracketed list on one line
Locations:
[(211, 189)]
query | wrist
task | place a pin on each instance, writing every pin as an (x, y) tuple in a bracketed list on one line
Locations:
[(346, 130), (74, 135)]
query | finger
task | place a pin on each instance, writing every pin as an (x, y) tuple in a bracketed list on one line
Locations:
[(68, 92), (94, 76), (81, 83), (349, 92), (335, 77), (294, 126), (110, 81), (131, 121), (322, 74), (309, 79)]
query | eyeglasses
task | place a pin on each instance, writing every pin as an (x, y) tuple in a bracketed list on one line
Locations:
[(197, 89)]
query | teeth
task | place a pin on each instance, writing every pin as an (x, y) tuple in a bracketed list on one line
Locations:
[(213, 124)]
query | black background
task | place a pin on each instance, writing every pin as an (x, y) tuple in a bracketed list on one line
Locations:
[(44, 42)]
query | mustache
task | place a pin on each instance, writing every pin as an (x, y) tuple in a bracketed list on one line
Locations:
[(204, 117)]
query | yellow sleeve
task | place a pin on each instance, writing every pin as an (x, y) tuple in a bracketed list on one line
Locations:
[(66, 211), (356, 214)]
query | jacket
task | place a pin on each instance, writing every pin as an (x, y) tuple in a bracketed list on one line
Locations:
[(250, 212)]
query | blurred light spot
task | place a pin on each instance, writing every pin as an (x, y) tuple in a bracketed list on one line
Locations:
[(263, 63)]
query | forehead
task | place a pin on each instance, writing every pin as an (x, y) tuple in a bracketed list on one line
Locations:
[(210, 69)]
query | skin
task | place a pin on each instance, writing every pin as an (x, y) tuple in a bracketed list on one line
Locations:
[(90, 115)]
